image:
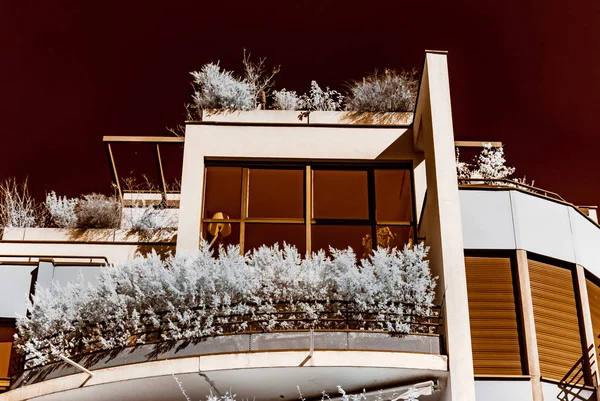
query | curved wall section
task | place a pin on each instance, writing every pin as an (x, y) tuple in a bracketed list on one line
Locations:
[(510, 219)]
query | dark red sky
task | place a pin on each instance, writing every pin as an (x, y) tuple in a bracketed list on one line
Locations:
[(522, 72)]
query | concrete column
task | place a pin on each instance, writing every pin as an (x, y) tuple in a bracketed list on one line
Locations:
[(588, 332), (444, 227), (190, 205), (531, 347)]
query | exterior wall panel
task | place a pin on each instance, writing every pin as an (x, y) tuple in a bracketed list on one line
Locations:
[(487, 220), (503, 390), (15, 282), (586, 242), (493, 316), (542, 226)]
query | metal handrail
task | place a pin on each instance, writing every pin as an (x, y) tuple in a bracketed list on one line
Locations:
[(508, 182), (340, 316)]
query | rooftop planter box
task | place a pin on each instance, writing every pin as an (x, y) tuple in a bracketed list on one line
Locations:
[(307, 117), (101, 235)]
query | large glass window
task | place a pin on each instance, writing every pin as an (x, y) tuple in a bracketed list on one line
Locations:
[(312, 206)]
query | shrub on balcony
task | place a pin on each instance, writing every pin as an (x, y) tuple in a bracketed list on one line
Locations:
[(17, 207), (148, 218), (388, 92), (193, 296), (215, 88), (220, 89), (62, 210), (98, 211), (488, 165)]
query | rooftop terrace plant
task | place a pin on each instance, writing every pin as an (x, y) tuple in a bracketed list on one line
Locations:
[(219, 89), (197, 295), (17, 207), (390, 91), (489, 164), (216, 88)]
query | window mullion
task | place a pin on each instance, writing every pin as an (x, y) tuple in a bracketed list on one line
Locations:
[(372, 207), (244, 207), (308, 202)]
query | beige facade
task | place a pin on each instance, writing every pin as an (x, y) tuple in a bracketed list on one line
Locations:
[(538, 254)]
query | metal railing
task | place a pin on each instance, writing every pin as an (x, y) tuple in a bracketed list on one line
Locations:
[(280, 317), (486, 182)]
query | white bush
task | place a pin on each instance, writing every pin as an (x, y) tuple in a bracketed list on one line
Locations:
[(62, 210), (387, 92), (192, 296), (148, 218), (318, 99), (220, 89), (98, 211), (287, 100), (17, 207), (490, 164)]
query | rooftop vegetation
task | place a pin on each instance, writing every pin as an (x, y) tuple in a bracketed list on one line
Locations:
[(489, 167), (18, 209), (189, 297), (219, 89)]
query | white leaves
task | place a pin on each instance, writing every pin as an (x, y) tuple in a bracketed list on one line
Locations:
[(490, 164), (387, 92), (220, 89), (191, 296), (318, 99), (287, 100), (62, 210), (17, 207)]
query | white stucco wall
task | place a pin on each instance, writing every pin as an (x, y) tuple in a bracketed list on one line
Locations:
[(15, 281), (503, 390), (487, 220), (542, 226), (510, 219)]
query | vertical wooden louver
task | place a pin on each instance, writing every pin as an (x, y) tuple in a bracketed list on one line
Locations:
[(594, 301), (556, 320), (493, 316)]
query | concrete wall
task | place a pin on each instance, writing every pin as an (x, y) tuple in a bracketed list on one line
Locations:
[(15, 281), (510, 219), (503, 390), (304, 117)]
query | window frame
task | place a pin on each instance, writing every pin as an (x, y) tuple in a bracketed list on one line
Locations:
[(308, 220)]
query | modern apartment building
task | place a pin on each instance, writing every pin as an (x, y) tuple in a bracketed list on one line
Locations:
[(518, 268)]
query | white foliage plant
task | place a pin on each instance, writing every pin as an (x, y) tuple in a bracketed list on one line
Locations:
[(287, 100), (220, 89), (62, 210), (318, 99), (489, 165), (388, 92), (143, 216), (17, 207), (192, 296)]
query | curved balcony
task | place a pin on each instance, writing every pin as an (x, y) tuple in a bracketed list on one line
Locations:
[(355, 342)]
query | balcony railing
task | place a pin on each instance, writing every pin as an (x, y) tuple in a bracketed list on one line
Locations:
[(509, 183), (326, 316)]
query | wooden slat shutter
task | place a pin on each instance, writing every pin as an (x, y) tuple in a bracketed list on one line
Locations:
[(594, 301), (6, 350), (556, 319), (493, 316)]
